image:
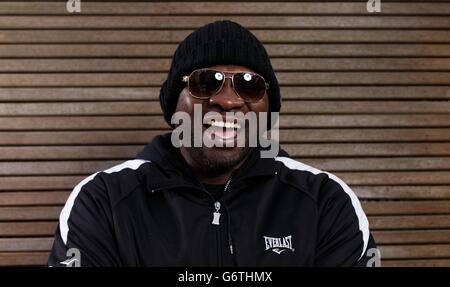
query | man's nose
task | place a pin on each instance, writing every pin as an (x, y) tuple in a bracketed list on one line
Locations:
[(227, 98)]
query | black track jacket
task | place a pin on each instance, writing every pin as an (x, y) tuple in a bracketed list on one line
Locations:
[(151, 211)]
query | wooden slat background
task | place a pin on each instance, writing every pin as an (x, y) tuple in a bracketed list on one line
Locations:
[(365, 97)]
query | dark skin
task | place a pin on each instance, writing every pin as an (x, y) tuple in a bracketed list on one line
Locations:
[(225, 101)]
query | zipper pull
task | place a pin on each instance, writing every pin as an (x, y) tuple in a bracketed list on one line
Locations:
[(230, 243), (216, 214)]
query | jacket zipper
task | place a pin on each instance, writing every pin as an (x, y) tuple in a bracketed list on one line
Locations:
[(216, 221), (230, 242), (216, 214)]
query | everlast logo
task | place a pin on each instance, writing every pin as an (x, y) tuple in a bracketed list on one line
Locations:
[(279, 245)]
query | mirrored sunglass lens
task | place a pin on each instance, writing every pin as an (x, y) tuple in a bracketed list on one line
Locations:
[(249, 86), (205, 83)]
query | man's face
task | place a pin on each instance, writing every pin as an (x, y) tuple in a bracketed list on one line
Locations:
[(217, 160)]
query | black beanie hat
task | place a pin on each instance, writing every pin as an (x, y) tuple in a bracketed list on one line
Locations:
[(219, 43)]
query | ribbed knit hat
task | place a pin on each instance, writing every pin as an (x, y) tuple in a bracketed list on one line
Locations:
[(219, 43)]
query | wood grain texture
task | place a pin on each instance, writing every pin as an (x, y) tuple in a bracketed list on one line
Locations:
[(365, 96), (205, 8)]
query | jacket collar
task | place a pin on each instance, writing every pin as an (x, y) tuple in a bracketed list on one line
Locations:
[(176, 172)]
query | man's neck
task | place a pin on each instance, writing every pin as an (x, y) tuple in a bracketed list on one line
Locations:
[(220, 179), (208, 178)]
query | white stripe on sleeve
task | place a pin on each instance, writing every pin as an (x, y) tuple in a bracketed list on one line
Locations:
[(65, 213), (362, 219)]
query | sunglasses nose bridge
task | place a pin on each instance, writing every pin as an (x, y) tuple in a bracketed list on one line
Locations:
[(225, 85), (227, 97), (230, 82)]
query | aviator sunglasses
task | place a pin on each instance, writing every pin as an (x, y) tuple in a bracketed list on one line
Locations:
[(205, 83)]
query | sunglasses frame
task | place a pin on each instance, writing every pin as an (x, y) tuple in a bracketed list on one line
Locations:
[(231, 75)]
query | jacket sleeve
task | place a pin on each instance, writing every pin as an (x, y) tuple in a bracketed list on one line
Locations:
[(343, 237), (84, 236)]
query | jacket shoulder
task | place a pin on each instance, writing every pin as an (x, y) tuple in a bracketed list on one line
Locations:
[(101, 187), (305, 178), (321, 185), (329, 191)]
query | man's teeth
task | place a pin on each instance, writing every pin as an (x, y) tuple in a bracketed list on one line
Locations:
[(222, 124)]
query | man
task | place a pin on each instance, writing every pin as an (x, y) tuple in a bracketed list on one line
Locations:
[(214, 206)]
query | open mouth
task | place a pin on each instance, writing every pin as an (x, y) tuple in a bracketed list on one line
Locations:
[(222, 130)]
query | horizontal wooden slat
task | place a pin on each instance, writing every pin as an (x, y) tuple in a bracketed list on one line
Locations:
[(339, 164), (379, 163), (371, 208), (82, 137), (367, 135), (368, 149), (23, 183), (40, 259), (365, 107), (90, 65), (59, 198), (81, 79), (395, 178), (62, 152), (425, 178), (152, 93), (296, 150), (411, 236), (415, 251), (157, 122), (43, 228), (425, 236), (416, 263), (39, 228), (55, 167), (108, 65), (349, 64), (279, 64), (409, 222), (365, 93), (285, 78), (39, 183), (26, 244), (199, 8), (364, 121), (84, 94), (33, 198), (23, 258), (285, 136), (403, 192), (12, 214), (289, 107), (84, 123), (376, 223), (274, 50), (266, 36), (388, 252), (99, 108), (363, 192), (30, 213), (192, 22), (406, 207)]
